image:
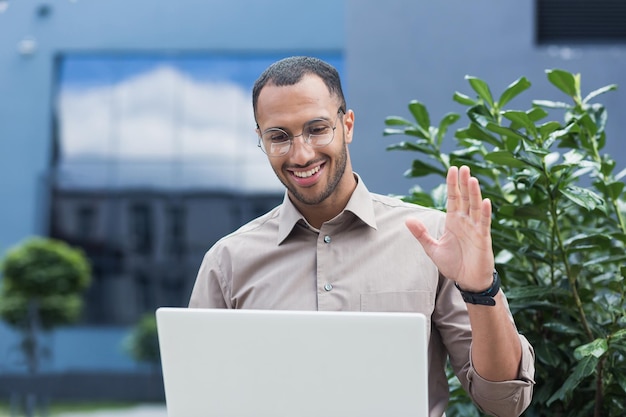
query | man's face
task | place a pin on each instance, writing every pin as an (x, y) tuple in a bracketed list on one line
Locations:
[(310, 174)]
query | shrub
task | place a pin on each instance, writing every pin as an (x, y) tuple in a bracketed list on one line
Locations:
[(558, 229), (48, 272), (142, 344), (42, 282)]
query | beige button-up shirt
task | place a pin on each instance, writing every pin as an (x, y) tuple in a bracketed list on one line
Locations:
[(365, 259)]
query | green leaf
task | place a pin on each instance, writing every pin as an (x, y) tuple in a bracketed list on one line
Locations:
[(390, 132), (481, 88), (422, 169), (397, 121), (620, 378), (522, 212), (535, 292), (463, 99), (505, 158), (419, 198), (618, 335), (448, 119), (597, 348), (551, 104), (612, 189), (599, 91), (563, 328), (606, 260), (418, 110), (588, 122), (565, 81), (521, 118), (505, 131), (587, 240), (537, 113), (583, 197), (411, 146), (547, 128), (413, 130), (548, 354), (474, 131), (513, 90), (583, 369)]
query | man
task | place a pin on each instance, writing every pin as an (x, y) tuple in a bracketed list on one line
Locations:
[(332, 245)]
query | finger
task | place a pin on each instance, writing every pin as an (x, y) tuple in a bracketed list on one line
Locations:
[(485, 218), (475, 201), (464, 201), (452, 182), (419, 230)]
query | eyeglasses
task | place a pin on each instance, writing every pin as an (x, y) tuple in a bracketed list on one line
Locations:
[(316, 133)]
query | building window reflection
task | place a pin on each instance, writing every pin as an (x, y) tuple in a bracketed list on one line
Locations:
[(155, 160), (141, 228)]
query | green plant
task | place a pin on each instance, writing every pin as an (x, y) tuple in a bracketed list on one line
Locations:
[(42, 283), (558, 229), (142, 344)]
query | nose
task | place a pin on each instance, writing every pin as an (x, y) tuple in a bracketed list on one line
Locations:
[(301, 151)]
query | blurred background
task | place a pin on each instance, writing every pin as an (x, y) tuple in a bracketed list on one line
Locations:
[(126, 130)]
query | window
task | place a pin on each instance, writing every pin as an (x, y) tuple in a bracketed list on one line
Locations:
[(155, 160), (141, 226), (580, 21), (175, 239), (85, 222)]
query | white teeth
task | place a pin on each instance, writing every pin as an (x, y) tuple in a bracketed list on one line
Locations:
[(306, 174)]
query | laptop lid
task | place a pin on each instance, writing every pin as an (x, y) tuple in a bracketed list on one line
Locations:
[(253, 363)]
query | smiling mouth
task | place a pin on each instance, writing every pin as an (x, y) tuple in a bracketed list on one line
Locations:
[(306, 174)]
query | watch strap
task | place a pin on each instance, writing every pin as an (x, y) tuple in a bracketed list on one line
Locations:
[(486, 297)]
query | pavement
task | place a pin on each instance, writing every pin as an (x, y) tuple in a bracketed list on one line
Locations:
[(148, 410)]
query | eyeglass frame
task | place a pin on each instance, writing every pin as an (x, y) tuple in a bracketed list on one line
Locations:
[(291, 137)]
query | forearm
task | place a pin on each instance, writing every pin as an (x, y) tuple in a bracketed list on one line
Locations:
[(496, 348)]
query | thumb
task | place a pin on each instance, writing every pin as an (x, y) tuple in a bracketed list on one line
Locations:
[(419, 230)]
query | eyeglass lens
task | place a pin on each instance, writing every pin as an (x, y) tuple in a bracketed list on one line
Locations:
[(316, 133)]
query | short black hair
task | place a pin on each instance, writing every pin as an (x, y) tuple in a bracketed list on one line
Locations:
[(289, 71)]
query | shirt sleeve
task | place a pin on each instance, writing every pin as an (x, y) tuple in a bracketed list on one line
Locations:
[(208, 290), (501, 399), (507, 398)]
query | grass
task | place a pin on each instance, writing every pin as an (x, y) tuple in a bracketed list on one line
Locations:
[(55, 408)]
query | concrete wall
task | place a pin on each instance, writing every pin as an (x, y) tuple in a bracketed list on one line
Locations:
[(400, 50)]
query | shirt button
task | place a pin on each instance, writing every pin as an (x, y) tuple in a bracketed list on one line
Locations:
[(328, 287), (327, 239)]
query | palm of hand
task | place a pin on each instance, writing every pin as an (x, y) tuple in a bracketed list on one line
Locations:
[(463, 253)]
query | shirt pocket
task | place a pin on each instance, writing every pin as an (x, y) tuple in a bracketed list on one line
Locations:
[(400, 302)]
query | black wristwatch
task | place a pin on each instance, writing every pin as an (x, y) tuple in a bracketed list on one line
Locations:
[(484, 298)]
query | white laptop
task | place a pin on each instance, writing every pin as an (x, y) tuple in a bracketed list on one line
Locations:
[(253, 363)]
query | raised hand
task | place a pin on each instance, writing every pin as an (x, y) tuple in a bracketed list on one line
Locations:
[(463, 253)]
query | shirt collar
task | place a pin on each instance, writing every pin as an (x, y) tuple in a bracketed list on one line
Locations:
[(360, 204)]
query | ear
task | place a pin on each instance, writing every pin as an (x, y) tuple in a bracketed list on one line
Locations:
[(348, 125)]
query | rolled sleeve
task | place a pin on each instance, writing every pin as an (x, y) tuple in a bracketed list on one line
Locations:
[(506, 398)]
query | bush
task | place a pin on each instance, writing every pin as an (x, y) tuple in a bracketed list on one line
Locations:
[(142, 344), (48, 272), (558, 230), (40, 289)]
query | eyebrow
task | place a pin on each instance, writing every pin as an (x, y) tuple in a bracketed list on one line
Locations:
[(305, 123)]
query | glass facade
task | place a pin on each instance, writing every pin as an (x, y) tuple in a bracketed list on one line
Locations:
[(156, 158)]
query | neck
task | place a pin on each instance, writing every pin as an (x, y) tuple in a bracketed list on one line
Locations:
[(318, 214)]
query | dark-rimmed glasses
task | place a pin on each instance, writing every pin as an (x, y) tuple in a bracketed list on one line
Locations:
[(317, 133)]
